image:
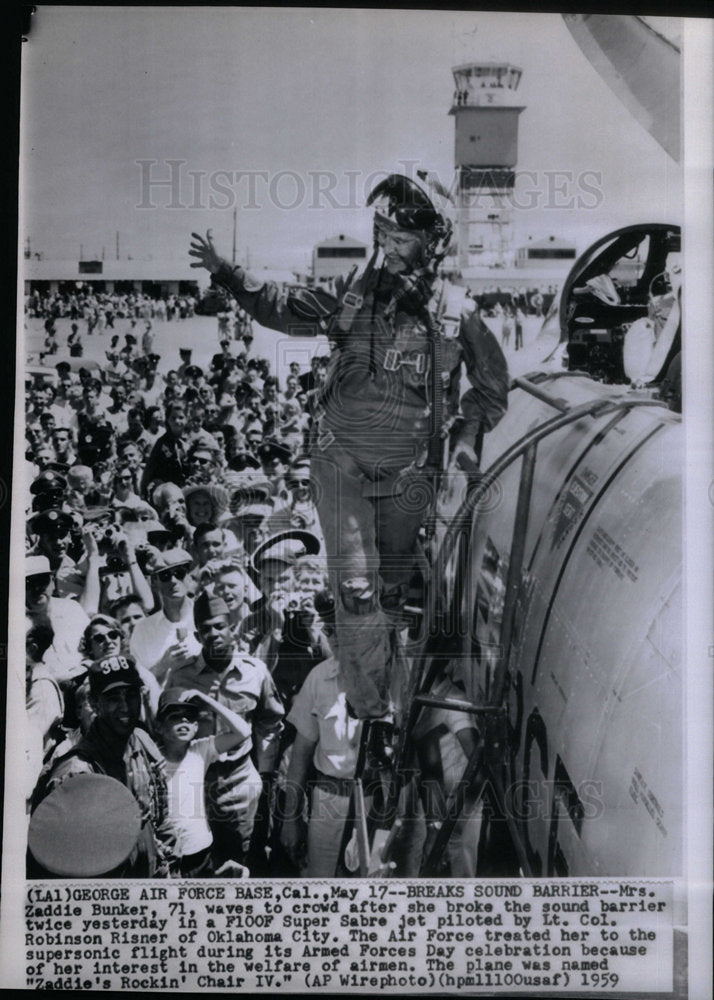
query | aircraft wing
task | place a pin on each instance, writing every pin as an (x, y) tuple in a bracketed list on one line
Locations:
[(640, 66)]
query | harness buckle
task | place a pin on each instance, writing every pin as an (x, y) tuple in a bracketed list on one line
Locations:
[(392, 360), (418, 363), (352, 300)]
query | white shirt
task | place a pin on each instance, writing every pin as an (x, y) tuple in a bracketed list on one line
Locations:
[(319, 713), (69, 620), (153, 636), (185, 779)]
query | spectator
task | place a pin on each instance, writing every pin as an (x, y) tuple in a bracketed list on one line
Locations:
[(44, 701), (242, 683), (116, 747), (104, 637), (212, 542), (300, 511), (128, 610), (52, 528), (124, 482), (231, 583), (167, 461), (63, 445), (187, 760), (327, 739), (153, 424), (65, 616), (203, 464), (165, 640)]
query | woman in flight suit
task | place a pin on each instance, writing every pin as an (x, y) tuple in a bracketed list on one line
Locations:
[(393, 378)]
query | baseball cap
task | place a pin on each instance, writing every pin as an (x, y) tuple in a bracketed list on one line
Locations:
[(171, 698), (113, 672), (37, 566)]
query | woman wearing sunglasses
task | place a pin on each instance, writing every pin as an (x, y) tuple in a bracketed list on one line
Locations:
[(104, 637)]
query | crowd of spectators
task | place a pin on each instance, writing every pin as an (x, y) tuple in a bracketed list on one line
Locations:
[(99, 310), (176, 594)]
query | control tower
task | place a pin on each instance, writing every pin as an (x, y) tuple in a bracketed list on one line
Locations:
[(486, 151)]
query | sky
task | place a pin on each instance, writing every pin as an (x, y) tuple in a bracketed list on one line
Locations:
[(288, 115)]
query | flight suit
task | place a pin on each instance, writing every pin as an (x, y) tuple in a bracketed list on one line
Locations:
[(375, 419)]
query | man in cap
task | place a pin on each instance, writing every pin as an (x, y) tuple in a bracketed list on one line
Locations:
[(187, 760), (401, 338), (193, 376), (95, 438), (272, 565), (115, 746), (165, 639), (288, 634), (48, 481), (242, 683), (52, 528)]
